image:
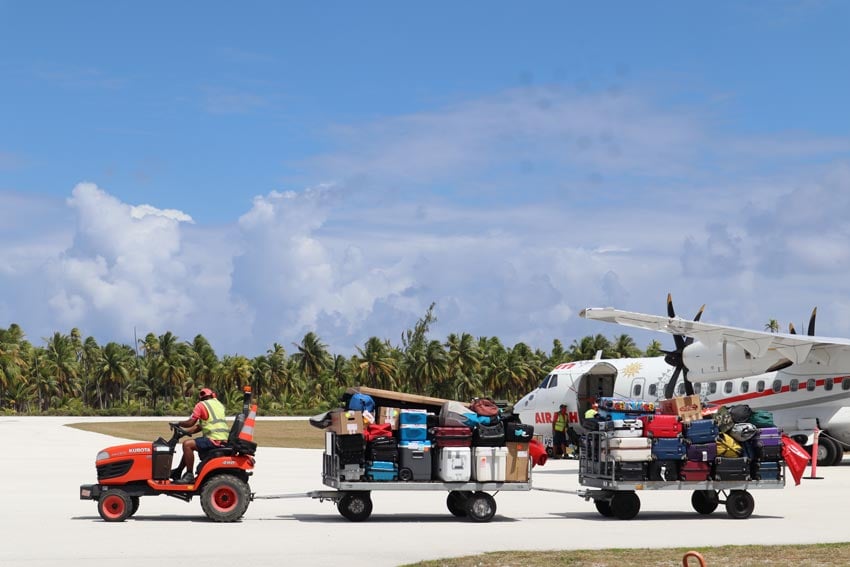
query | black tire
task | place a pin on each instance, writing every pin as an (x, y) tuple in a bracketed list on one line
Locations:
[(625, 505), (405, 474), (456, 503), (839, 454), (114, 505), (480, 507), (827, 449), (134, 505), (225, 498), (355, 506), (705, 501), (740, 504), (604, 508)]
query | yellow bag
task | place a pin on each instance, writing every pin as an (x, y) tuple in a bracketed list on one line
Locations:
[(728, 447)]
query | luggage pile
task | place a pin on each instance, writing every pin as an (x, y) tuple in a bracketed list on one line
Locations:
[(459, 444), (678, 443)]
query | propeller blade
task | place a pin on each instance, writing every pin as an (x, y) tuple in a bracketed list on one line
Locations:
[(670, 312), (699, 313), (791, 329), (670, 388), (811, 332)]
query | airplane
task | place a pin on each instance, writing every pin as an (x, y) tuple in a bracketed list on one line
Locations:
[(803, 380)]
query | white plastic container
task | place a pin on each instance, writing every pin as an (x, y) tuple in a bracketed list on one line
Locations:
[(490, 464), (454, 464)]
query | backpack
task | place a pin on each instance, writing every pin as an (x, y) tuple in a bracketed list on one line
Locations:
[(361, 402), (743, 431), (728, 447), (485, 407), (740, 413), (723, 420)]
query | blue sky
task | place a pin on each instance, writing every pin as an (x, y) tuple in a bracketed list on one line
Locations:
[(253, 172)]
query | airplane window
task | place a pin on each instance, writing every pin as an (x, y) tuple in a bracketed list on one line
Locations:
[(793, 384), (845, 385), (827, 384), (727, 387), (777, 386), (745, 387), (697, 387), (810, 384), (636, 391), (545, 382), (760, 386), (712, 388), (680, 389), (653, 390), (554, 381)]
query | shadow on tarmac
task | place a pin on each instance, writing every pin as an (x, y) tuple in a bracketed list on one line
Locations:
[(392, 519)]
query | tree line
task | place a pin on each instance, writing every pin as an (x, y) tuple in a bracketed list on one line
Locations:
[(72, 375)]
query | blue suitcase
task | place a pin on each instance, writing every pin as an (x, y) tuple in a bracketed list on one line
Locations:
[(665, 449), (381, 471), (702, 431), (767, 470)]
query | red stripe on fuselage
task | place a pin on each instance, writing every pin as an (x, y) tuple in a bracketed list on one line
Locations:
[(784, 390)]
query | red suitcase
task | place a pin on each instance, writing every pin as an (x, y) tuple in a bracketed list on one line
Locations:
[(452, 437), (663, 426), (695, 471)]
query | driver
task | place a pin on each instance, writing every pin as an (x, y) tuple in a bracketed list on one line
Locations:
[(208, 417)]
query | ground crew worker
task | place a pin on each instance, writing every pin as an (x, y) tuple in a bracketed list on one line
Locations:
[(559, 433), (209, 418), (592, 411)]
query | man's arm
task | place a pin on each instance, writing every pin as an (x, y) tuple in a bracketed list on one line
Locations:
[(191, 425)]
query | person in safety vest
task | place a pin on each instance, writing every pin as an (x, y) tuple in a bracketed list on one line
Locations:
[(559, 433), (592, 411), (208, 417)]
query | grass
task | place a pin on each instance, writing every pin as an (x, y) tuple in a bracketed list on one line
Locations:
[(297, 434), (300, 434), (820, 555)]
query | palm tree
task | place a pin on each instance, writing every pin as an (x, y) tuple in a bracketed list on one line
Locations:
[(113, 371), (374, 365), (60, 363), (312, 356), (772, 326), (654, 348), (624, 347), (588, 346)]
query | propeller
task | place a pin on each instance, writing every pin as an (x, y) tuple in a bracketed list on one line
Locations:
[(811, 330), (674, 358)]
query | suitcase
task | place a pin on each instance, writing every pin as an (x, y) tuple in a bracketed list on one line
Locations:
[(599, 424), (702, 452), (664, 449), (381, 471), (382, 449), (518, 432), (489, 435), (767, 470), (626, 449), (768, 444), (630, 471), (666, 470), (663, 426), (350, 449), (732, 468), (626, 405), (695, 471), (451, 436), (702, 431), (414, 462), (628, 428)]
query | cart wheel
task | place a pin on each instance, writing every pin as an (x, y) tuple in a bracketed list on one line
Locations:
[(625, 505), (740, 504), (114, 505), (480, 507), (456, 502), (225, 498), (705, 501), (405, 474), (134, 506), (604, 508), (355, 506)]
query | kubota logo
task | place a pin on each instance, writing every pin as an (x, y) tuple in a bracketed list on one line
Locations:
[(140, 450)]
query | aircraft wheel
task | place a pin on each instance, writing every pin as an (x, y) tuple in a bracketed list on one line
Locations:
[(604, 508), (114, 505), (134, 506), (480, 507), (225, 498), (827, 450), (740, 504), (456, 502), (355, 506), (625, 505), (705, 501)]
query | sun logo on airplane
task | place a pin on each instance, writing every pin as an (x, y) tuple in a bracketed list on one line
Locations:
[(631, 370)]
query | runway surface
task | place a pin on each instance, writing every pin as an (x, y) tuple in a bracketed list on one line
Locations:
[(45, 524)]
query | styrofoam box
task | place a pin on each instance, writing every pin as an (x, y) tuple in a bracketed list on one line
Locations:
[(489, 464)]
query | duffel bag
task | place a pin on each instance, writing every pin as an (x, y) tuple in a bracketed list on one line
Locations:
[(761, 418), (743, 432), (740, 413)]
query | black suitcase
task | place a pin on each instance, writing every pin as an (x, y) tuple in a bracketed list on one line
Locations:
[(628, 471), (732, 468), (489, 435), (667, 470), (518, 432), (383, 449), (771, 470), (769, 453), (598, 424), (351, 449)]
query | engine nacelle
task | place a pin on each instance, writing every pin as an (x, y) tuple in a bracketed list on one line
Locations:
[(724, 361)]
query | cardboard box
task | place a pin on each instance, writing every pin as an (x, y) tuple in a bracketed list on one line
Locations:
[(517, 462), (688, 408), (346, 422), (389, 415)]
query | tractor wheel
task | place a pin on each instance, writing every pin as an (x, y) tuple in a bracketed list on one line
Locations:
[(114, 505), (134, 506), (705, 501), (740, 504), (225, 498), (456, 503), (355, 506)]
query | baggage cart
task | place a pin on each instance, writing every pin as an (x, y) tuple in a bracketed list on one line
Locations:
[(618, 498)]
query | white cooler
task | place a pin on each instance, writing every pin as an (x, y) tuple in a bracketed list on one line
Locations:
[(454, 464), (489, 464)]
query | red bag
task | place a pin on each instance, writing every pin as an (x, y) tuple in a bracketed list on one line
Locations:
[(485, 407), (375, 430)]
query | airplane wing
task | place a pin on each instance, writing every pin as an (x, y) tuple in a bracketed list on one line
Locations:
[(794, 347)]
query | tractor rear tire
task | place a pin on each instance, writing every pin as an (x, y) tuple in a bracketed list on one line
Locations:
[(225, 498)]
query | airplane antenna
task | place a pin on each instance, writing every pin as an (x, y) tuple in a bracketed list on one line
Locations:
[(598, 355)]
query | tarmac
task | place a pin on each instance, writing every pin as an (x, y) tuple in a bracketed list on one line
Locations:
[(45, 524)]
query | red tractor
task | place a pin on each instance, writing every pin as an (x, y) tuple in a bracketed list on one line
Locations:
[(125, 473)]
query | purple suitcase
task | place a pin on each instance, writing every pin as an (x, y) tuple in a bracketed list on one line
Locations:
[(702, 452)]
